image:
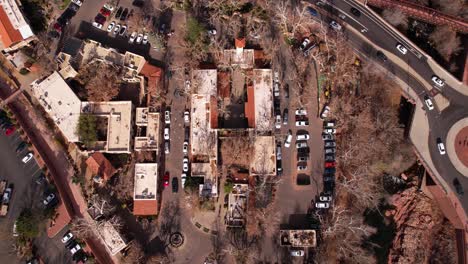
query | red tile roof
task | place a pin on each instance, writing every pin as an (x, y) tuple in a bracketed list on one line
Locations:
[(249, 107), (240, 42), (213, 112), (145, 207), (8, 34), (99, 165), (224, 85), (153, 74)]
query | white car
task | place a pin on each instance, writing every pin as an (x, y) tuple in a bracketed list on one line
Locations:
[(276, 76), (428, 102), (116, 29), (75, 249), (27, 158), (301, 167), (166, 133), (167, 117), (329, 131), (322, 205), (297, 253), (67, 237), (276, 90), (335, 25), (305, 43), (15, 230), (287, 142), (329, 124), (401, 49), (97, 25), (302, 123), (110, 26), (301, 145), (301, 112), (212, 32), (109, 7), (139, 38), (145, 39), (167, 147), (325, 112), (48, 199), (186, 117), (302, 137), (77, 2), (185, 164), (132, 37), (437, 81), (183, 179), (440, 146), (330, 150), (185, 147), (325, 198), (278, 121)]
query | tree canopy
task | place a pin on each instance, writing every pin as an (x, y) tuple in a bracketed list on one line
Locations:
[(87, 129)]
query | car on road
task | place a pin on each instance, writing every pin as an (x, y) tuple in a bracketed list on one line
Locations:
[(437, 81), (297, 253), (132, 37), (77, 2), (187, 117), (27, 158), (67, 237), (330, 164), (304, 136), (401, 48), (458, 186), (118, 13), (428, 102), (329, 144), (329, 131), (116, 30), (75, 248), (49, 199), (325, 198), (304, 43), (302, 123), (381, 56), (167, 117), (185, 147), (185, 163), (327, 137), (278, 151), (124, 15), (301, 145), (183, 179), (301, 112), (330, 150), (335, 25), (166, 179), (323, 205), (355, 12), (110, 26), (10, 130), (440, 146), (139, 39), (287, 142), (167, 147), (175, 184), (278, 121), (325, 112), (167, 133), (329, 157), (123, 30)]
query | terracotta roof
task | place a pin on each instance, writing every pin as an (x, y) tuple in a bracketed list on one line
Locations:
[(99, 165), (249, 107), (240, 42), (224, 86), (213, 112), (145, 207), (240, 177), (153, 74), (8, 34)]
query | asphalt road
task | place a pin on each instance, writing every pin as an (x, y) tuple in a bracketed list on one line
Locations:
[(439, 122)]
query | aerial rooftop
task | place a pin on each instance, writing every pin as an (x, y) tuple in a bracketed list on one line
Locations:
[(145, 189), (112, 238), (13, 27), (298, 238), (264, 159), (263, 99)]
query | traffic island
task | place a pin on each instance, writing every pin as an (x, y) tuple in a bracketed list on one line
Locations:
[(457, 146)]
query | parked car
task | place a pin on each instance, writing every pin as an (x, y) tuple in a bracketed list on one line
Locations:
[(330, 144), (166, 179), (303, 151), (401, 48), (75, 248), (312, 11), (145, 40), (276, 90), (187, 117), (77, 2), (185, 162), (67, 237), (132, 37), (297, 253), (285, 116), (335, 25), (325, 112), (287, 142), (330, 150), (301, 112), (329, 178), (304, 43), (328, 123), (309, 49), (458, 186), (100, 19), (301, 145), (175, 184), (437, 81), (355, 12), (123, 30), (302, 167), (329, 131), (323, 205), (40, 179), (27, 158), (330, 164), (10, 130), (124, 14), (302, 158), (116, 30), (49, 199), (428, 102), (381, 56), (118, 13), (440, 146), (329, 157), (185, 147), (327, 137), (278, 121), (15, 229), (167, 147), (105, 12), (139, 38), (167, 117), (304, 136), (276, 76), (166, 133), (302, 123), (110, 26), (325, 198), (278, 151), (279, 168), (183, 179)]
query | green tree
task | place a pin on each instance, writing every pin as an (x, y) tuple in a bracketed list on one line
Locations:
[(27, 224), (87, 129), (195, 31)]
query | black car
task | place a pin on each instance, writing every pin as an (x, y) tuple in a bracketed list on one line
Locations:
[(329, 187), (330, 170), (118, 13), (175, 184), (355, 12), (329, 157), (40, 179), (303, 150), (285, 116), (286, 91), (458, 187), (279, 168), (381, 56), (21, 146), (328, 178), (124, 14)]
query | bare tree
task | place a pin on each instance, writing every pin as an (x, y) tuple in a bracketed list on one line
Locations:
[(291, 19), (446, 41), (101, 204), (395, 17), (101, 80)]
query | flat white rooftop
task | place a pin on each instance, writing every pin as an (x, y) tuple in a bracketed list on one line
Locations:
[(16, 18), (150, 120), (112, 238), (204, 82), (60, 102), (203, 138), (243, 58), (264, 159), (146, 178), (263, 94)]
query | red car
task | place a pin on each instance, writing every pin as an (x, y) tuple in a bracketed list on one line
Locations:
[(58, 27), (105, 12), (330, 164), (166, 179), (10, 131)]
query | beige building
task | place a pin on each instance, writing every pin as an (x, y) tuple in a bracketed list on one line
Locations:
[(148, 133), (145, 189)]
